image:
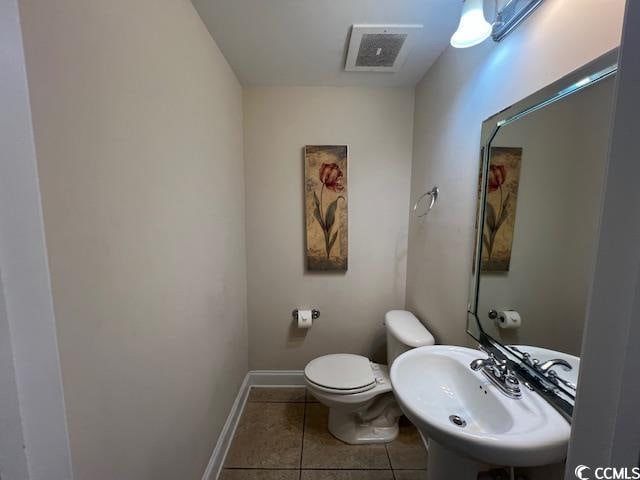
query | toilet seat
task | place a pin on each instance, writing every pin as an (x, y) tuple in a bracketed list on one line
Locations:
[(341, 373)]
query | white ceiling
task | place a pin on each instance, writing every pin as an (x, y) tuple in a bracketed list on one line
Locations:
[(303, 42)]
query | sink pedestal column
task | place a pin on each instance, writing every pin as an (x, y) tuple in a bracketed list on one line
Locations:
[(445, 464)]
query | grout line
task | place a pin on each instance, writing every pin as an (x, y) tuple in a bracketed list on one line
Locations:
[(363, 469), (262, 468), (393, 474), (308, 398), (276, 401), (349, 469)]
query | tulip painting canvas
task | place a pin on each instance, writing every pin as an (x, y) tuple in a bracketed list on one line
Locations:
[(326, 207), (500, 212)]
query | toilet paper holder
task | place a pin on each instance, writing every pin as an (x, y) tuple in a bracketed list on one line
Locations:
[(315, 314)]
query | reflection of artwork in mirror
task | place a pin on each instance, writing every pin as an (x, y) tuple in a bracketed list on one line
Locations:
[(500, 216)]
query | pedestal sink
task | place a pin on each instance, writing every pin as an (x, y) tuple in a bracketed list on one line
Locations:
[(468, 421)]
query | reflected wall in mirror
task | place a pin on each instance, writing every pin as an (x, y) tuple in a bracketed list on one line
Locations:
[(541, 183), (554, 229)]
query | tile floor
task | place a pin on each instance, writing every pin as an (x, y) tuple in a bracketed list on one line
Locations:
[(282, 435)]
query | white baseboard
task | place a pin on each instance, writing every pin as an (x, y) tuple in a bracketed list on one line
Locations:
[(226, 435), (254, 378)]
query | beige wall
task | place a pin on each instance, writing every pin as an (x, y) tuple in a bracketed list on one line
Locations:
[(463, 88), (138, 125), (377, 126)]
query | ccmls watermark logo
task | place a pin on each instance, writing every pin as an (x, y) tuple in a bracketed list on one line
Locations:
[(583, 472)]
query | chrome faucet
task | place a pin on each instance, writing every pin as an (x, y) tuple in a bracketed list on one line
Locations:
[(552, 363), (500, 375), (545, 368), (481, 363)]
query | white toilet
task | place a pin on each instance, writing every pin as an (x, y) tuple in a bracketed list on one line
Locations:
[(362, 408)]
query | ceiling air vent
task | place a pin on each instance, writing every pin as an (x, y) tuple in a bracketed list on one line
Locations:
[(380, 48)]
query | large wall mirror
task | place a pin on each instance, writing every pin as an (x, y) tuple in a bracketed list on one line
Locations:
[(543, 164)]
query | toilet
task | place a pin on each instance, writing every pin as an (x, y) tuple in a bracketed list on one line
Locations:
[(362, 408)]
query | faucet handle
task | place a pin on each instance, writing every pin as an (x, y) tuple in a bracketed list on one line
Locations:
[(478, 363), (526, 358), (555, 362), (500, 367)]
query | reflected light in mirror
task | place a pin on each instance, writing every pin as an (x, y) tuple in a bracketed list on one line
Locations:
[(473, 27)]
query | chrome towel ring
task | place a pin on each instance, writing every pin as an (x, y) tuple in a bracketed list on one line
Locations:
[(433, 194)]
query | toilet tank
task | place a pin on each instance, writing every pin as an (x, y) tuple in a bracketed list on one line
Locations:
[(404, 332)]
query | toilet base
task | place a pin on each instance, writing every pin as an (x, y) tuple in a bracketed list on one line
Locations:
[(377, 424)]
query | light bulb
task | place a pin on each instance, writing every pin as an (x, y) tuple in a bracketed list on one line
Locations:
[(473, 27)]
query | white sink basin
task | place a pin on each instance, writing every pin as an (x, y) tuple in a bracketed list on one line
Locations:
[(434, 383)]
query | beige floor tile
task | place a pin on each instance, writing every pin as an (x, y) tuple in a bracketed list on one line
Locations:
[(407, 451), (347, 475), (265, 394), (269, 435), (239, 474), (322, 450), (410, 474)]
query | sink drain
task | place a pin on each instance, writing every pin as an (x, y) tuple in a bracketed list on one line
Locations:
[(458, 421)]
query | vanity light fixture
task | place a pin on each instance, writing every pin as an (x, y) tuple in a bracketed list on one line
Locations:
[(474, 28)]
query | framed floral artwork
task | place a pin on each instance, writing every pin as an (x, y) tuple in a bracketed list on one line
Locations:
[(325, 174), (500, 212)]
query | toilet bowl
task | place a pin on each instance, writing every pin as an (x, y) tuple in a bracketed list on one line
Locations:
[(358, 392)]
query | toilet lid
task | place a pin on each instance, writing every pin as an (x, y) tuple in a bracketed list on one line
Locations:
[(341, 371)]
